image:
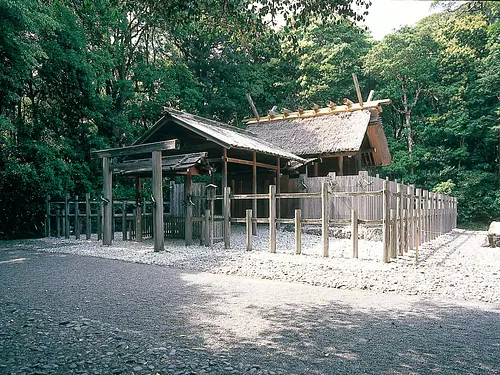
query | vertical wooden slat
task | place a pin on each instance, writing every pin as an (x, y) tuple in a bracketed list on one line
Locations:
[(157, 182), (386, 221), (272, 218), (354, 232), (411, 216), (99, 220), (405, 230), (138, 214), (66, 215), (248, 221), (58, 223), (88, 220), (394, 234), (298, 231), (399, 214), (254, 191), (77, 218), (278, 190), (208, 232), (188, 216), (124, 220), (325, 218), (418, 221), (227, 214), (108, 203)]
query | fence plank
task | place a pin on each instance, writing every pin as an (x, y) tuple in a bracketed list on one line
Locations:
[(272, 218), (298, 231), (249, 229), (354, 232), (325, 218)]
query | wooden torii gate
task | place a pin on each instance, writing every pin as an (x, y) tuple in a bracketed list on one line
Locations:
[(107, 155)]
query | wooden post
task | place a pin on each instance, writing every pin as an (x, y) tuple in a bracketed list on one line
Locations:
[(399, 214), (207, 233), (77, 218), (249, 229), (224, 169), (212, 224), (227, 214), (254, 191), (272, 218), (88, 222), (47, 216), (298, 231), (107, 235), (418, 221), (394, 234), (66, 215), (124, 220), (278, 190), (386, 229), (431, 216), (425, 222), (411, 216), (325, 218), (58, 223), (341, 166), (188, 208), (157, 182), (138, 213), (354, 232), (99, 221), (406, 223)]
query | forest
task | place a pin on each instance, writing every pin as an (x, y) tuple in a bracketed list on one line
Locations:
[(77, 75)]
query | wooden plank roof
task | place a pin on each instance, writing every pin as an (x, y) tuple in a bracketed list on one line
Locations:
[(173, 163), (224, 135)]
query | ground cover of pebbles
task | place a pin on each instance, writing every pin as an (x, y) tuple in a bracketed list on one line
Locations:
[(454, 265)]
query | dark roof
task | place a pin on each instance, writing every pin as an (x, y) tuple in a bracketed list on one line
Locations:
[(225, 135)]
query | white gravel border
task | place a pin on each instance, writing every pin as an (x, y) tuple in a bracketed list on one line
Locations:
[(454, 265)]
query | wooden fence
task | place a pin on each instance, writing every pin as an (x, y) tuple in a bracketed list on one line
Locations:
[(408, 216)]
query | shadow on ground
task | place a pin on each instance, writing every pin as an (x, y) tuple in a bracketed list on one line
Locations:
[(286, 328)]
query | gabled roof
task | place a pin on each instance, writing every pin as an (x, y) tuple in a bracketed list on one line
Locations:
[(325, 134), (225, 135)]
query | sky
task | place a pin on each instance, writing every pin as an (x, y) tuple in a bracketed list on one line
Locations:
[(386, 15)]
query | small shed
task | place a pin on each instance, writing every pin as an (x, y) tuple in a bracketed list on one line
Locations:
[(184, 144)]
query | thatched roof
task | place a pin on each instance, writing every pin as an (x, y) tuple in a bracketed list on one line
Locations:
[(325, 134), (225, 135)]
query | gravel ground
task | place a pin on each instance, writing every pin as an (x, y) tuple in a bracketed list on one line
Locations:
[(453, 266), (67, 314)]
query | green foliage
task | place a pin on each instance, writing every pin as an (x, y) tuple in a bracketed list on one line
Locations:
[(81, 75)]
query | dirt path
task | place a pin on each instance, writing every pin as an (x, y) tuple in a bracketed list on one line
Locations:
[(65, 314)]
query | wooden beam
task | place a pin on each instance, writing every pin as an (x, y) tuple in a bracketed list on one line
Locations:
[(252, 105), (358, 90), (171, 144), (322, 111), (107, 235), (144, 165), (370, 96), (157, 187), (251, 162)]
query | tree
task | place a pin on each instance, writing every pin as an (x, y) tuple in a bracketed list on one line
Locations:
[(405, 65)]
